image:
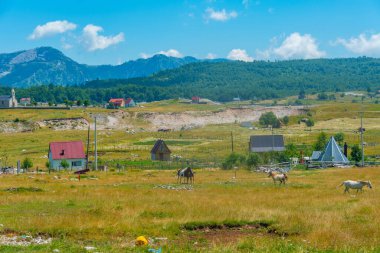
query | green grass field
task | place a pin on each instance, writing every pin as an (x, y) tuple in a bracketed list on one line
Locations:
[(109, 210)]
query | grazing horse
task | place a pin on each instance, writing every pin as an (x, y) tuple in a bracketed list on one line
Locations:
[(282, 177), (187, 173), (358, 185)]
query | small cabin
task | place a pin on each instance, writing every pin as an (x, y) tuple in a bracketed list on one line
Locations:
[(160, 151)]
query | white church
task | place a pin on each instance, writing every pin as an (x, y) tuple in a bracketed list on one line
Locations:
[(8, 101)]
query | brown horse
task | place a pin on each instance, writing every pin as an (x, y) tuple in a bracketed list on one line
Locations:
[(187, 173), (282, 177)]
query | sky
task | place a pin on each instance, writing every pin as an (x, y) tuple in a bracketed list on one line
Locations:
[(115, 31)]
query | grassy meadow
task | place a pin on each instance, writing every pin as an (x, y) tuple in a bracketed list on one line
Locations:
[(109, 210)]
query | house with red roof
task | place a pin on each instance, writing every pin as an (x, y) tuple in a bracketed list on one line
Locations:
[(117, 102), (70, 151), (121, 103), (195, 99)]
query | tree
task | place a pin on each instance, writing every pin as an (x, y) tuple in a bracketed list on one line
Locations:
[(86, 103), (269, 119), (253, 160), (302, 94), (339, 137), (321, 141), (47, 164), (27, 163), (79, 102), (64, 164), (290, 151), (356, 153), (285, 120), (310, 123), (322, 96)]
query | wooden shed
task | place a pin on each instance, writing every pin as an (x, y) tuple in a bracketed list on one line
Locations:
[(160, 151), (266, 143)]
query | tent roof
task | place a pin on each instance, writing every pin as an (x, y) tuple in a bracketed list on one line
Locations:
[(332, 153)]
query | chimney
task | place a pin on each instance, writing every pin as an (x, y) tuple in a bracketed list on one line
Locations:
[(62, 152), (345, 149)]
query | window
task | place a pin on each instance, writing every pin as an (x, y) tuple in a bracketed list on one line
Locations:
[(76, 163)]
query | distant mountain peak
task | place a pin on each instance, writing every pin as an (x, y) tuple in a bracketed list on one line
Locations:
[(45, 64)]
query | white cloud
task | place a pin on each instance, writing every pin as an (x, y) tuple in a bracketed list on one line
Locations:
[(362, 44), (94, 41), (52, 28), (221, 15), (211, 56), (298, 46), (239, 55), (171, 53)]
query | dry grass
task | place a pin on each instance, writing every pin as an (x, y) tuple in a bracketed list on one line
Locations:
[(114, 209)]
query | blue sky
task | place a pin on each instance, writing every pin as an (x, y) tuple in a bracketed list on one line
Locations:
[(114, 31)]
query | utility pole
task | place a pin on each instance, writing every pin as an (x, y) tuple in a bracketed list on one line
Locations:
[(272, 139), (96, 148), (232, 142), (88, 145), (361, 136)]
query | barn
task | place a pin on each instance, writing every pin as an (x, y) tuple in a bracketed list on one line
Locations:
[(71, 151), (160, 151)]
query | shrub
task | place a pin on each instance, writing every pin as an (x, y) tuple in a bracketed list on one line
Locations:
[(356, 153), (269, 119), (253, 160), (233, 160), (27, 163), (65, 164)]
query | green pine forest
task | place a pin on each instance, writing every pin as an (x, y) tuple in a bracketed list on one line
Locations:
[(222, 81)]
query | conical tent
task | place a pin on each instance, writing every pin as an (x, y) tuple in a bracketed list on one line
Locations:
[(332, 153)]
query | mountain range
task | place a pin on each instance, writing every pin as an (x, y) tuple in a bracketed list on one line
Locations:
[(45, 65)]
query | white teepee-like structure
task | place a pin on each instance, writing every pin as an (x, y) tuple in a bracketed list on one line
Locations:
[(332, 153)]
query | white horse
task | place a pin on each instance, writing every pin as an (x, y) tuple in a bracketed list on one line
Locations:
[(282, 177), (358, 185)]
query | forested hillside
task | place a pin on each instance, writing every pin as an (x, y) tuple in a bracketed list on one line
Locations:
[(222, 81)]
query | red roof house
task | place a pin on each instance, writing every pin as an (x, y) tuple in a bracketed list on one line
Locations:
[(117, 102), (195, 99), (71, 151)]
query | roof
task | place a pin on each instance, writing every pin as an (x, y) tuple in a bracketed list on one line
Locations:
[(117, 100), (67, 150), (316, 154), (129, 100), (25, 99), (265, 143), (332, 153), (161, 146), (5, 97), (195, 98)]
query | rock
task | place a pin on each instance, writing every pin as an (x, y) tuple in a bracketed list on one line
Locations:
[(89, 248)]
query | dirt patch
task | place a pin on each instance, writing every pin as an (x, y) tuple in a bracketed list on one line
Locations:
[(192, 119), (202, 234), (64, 124)]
